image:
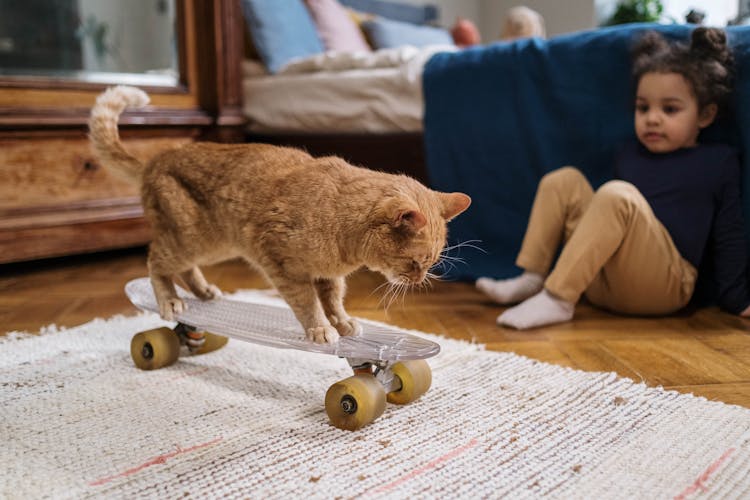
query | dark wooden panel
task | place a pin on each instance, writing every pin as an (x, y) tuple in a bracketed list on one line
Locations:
[(392, 152), (72, 238)]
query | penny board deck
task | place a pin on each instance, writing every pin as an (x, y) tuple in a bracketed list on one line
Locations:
[(277, 326)]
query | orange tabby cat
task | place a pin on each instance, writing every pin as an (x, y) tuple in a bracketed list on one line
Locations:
[(304, 222)]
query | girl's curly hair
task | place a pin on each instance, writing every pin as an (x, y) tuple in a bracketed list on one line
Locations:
[(707, 63)]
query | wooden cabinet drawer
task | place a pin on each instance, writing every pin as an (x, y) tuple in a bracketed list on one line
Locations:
[(55, 199), (54, 173)]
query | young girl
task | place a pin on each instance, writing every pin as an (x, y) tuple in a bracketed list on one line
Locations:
[(634, 245)]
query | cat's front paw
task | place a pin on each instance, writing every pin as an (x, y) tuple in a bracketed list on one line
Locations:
[(323, 334), (349, 327), (209, 292), (169, 308)]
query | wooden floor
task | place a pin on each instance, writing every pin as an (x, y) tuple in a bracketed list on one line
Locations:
[(706, 352)]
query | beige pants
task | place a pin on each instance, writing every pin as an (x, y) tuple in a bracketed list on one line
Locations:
[(615, 249)]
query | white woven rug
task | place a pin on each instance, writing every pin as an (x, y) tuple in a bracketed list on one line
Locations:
[(78, 420)]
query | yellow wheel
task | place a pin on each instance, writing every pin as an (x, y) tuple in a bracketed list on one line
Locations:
[(155, 348), (355, 401), (415, 376), (213, 342)]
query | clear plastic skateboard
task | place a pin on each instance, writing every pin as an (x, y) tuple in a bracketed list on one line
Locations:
[(388, 364)]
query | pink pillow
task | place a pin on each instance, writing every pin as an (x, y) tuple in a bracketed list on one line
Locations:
[(335, 27)]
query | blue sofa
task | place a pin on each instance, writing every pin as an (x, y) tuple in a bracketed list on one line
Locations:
[(498, 117)]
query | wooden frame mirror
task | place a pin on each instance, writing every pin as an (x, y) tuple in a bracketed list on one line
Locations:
[(54, 198)]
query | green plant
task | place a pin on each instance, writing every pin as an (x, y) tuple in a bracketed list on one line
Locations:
[(636, 11)]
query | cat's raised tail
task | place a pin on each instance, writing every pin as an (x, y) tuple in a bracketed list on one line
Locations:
[(103, 130)]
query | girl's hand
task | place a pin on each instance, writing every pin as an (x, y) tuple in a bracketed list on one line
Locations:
[(746, 312)]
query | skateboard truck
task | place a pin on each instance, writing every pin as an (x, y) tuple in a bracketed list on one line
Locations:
[(190, 337), (380, 370)]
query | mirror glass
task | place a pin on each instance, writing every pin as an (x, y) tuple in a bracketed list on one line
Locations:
[(100, 41)]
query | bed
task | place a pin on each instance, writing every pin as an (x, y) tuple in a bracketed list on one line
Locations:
[(376, 92), (364, 105), (367, 108)]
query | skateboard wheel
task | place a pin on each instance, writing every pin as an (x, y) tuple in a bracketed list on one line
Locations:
[(355, 402), (416, 378), (154, 349), (212, 343)]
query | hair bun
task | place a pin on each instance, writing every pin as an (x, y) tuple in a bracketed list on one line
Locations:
[(710, 43)]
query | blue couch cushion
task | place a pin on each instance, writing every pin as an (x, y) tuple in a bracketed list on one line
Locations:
[(281, 30), (386, 33), (497, 118)]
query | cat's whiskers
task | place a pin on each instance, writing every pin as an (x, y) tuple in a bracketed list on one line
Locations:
[(397, 288), (431, 276), (383, 284), (467, 243), (448, 263), (406, 285), (403, 286), (390, 295), (424, 286), (387, 298), (445, 253), (452, 259), (441, 265)]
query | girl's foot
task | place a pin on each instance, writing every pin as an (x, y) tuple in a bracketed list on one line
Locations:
[(511, 291), (541, 309)]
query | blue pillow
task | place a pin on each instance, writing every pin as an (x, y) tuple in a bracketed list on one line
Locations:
[(281, 31), (386, 33), (398, 11)]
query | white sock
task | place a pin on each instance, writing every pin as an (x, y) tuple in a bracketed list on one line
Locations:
[(541, 309), (512, 290)]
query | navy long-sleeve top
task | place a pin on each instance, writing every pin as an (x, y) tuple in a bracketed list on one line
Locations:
[(695, 194)]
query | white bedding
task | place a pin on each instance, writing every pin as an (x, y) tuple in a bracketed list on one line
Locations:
[(374, 92)]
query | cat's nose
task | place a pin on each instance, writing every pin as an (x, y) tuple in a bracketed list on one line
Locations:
[(417, 276)]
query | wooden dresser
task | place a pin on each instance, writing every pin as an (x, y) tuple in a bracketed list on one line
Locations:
[(54, 198)]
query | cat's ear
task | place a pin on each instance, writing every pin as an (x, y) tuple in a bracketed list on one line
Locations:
[(453, 204), (410, 219)]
